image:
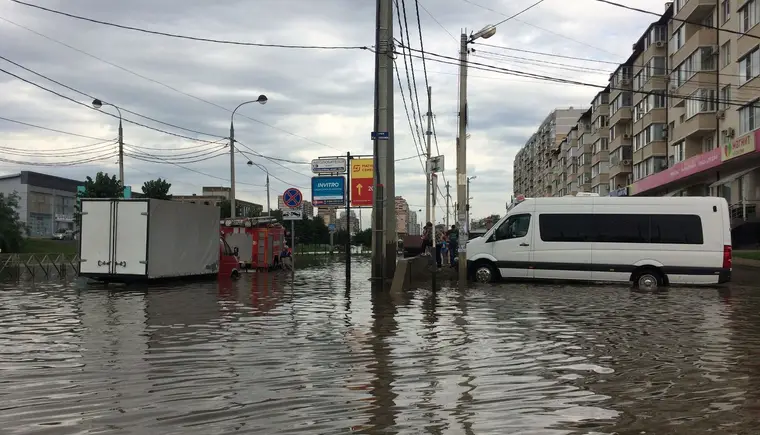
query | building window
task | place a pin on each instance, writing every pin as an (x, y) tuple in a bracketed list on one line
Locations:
[(701, 101), (749, 66), (749, 15), (725, 53), (749, 118), (725, 97), (621, 228), (708, 143), (725, 8), (679, 153)]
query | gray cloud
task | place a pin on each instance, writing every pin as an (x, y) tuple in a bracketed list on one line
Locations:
[(325, 96)]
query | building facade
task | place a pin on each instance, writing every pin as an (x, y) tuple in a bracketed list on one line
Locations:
[(351, 222), (328, 214), (307, 206), (681, 116), (413, 229), (46, 202), (402, 216), (214, 195), (533, 173)]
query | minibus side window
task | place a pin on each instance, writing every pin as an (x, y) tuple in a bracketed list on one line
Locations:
[(514, 227)]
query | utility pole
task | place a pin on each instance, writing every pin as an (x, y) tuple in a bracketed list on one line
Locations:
[(384, 192), (232, 171), (462, 161), (448, 197), (428, 133), (121, 155)]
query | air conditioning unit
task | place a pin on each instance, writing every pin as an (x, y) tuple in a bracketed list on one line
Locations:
[(730, 132), (633, 47), (626, 162), (673, 88), (715, 50), (720, 114), (625, 82), (664, 134), (659, 44), (626, 136)]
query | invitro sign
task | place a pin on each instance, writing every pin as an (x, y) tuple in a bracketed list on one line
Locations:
[(328, 191)]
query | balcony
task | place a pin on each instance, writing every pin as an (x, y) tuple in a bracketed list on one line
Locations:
[(571, 178), (619, 167), (621, 140), (699, 125), (658, 116), (585, 179), (623, 114), (601, 156), (701, 79), (703, 37), (653, 84), (694, 10), (657, 148), (600, 179)]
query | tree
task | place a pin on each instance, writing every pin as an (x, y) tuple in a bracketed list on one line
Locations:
[(157, 189), (11, 227), (102, 186), (363, 238)]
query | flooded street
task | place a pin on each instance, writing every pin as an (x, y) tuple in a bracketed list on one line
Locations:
[(268, 354)]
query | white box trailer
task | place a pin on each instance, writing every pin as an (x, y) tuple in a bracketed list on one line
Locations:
[(142, 239)]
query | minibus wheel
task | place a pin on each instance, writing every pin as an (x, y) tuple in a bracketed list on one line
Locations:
[(485, 272), (235, 274), (648, 280)]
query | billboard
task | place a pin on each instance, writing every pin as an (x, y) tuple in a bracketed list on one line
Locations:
[(362, 182), (328, 191)]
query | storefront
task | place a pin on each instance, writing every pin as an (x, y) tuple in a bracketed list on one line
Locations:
[(731, 171)]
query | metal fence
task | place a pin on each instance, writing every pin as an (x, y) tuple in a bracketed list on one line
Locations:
[(38, 266)]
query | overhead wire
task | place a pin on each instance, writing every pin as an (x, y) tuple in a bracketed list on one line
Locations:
[(65, 97), (679, 20), (65, 152), (507, 71), (136, 74), (187, 37), (63, 85), (239, 151), (68, 133), (92, 159)]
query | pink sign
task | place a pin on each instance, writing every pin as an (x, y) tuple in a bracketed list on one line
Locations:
[(680, 170)]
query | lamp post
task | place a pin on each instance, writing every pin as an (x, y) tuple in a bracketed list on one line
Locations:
[(264, 168), (261, 100), (462, 180), (97, 104)]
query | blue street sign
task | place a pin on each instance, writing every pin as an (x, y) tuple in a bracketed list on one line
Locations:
[(331, 228), (292, 198), (328, 191), (380, 135)]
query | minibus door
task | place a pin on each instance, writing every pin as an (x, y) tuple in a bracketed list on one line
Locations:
[(512, 246)]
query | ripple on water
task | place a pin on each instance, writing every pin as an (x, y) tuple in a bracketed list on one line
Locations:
[(268, 354)]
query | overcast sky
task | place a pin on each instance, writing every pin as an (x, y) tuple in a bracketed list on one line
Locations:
[(320, 101)]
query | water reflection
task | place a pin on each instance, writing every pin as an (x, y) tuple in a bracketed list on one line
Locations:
[(303, 353)]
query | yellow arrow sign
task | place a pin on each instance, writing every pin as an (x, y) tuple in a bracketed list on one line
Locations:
[(359, 189)]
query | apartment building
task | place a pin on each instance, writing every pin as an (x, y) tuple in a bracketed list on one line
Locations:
[(534, 164), (682, 115)]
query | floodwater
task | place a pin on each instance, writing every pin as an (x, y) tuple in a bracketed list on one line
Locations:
[(274, 355)]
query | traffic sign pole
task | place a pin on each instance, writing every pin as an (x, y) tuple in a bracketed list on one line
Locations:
[(293, 199), (348, 223)]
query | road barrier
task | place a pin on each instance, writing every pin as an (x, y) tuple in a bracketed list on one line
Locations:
[(38, 266)]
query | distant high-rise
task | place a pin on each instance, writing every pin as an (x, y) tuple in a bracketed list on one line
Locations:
[(402, 216)]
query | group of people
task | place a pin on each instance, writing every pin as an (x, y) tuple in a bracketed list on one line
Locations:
[(446, 244)]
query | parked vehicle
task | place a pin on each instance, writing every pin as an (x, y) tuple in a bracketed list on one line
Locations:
[(63, 234), (126, 240), (229, 266), (650, 241)]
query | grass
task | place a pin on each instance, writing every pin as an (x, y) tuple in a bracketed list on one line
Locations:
[(747, 255), (49, 246)]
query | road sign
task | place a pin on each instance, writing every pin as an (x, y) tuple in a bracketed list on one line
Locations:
[(328, 166), (331, 228), (292, 198), (362, 182), (435, 164), (292, 214), (380, 135), (328, 191)]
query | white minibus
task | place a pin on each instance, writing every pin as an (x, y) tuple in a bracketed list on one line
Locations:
[(650, 241)]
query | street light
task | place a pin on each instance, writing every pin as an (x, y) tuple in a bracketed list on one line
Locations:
[(462, 180), (261, 100), (97, 104), (264, 168)]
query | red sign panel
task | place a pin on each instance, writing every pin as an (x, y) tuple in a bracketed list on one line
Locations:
[(361, 192)]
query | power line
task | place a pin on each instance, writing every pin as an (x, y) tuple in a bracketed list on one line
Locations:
[(93, 98), (519, 13), (273, 176), (408, 118), (66, 152), (191, 38), (707, 26), (97, 158), (268, 158), (50, 129), (127, 70), (105, 113), (135, 154), (506, 71)]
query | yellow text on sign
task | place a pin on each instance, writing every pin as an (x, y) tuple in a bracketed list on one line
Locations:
[(362, 168)]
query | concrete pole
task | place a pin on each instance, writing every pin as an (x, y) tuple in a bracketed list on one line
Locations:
[(269, 207), (121, 155), (383, 213), (428, 134), (448, 197), (462, 162), (232, 169)]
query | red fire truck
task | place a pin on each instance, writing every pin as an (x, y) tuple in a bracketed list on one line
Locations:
[(256, 241)]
